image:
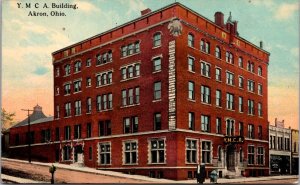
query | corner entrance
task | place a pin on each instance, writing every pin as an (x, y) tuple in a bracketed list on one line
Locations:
[(230, 158), (78, 156)]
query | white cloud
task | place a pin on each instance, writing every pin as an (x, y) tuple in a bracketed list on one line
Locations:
[(285, 11), (267, 3), (135, 6), (86, 6)]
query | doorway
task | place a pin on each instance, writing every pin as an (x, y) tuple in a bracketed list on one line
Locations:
[(230, 158), (78, 157)]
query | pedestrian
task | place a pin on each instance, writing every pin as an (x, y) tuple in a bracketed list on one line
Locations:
[(198, 174), (202, 174), (213, 176)]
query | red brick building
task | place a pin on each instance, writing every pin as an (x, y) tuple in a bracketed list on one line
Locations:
[(157, 96)]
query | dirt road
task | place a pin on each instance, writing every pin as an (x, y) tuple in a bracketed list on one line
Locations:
[(41, 173)]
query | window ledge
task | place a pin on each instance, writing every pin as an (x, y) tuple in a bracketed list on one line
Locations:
[(158, 100), (192, 47), (76, 72), (88, 86), (230, 109), (156, 163), (66, 75), (77, 92), (105, 110), (127, 79), (130, 55), (190, 163), (204, 52), (104, 85), (103, 63), (156, 71), (88, 113), (126, 106), (206, 76), (68, 117), (67, 94), (230, 85), (219, 106), (219, 80), (241, 88), (204, 103), (219, 58), (77, 115), (191, 71), (156, 46), (134, 164), (251, 115), (191, 100)]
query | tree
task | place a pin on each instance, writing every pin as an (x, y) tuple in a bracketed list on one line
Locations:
[(7, 120)]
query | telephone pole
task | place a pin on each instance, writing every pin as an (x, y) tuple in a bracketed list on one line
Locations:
[(29, 135)]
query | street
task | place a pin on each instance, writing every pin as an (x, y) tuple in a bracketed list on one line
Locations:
[(283, 181)]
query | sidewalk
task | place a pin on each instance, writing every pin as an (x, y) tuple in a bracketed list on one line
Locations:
[(20, 180), (153, 180)]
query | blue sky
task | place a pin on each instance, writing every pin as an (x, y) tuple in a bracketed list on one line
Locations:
[(27, 44)]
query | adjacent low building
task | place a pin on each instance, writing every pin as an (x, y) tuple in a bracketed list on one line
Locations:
[(295, 151), (279, 148)]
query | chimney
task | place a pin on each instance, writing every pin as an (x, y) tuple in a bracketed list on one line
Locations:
[(219, 19), (146, 11), (261, 44), (275, 122), (235, 27)]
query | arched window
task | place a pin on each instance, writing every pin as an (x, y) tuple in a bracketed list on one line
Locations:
[(259, 71), (252, 67), (67, 69), (204, 46), (157, 39), (227, 56), (191, 40), (218, 52), (241, 62), (219, 153), (241, 155), (77, 66), (207, 47), (249, 66)]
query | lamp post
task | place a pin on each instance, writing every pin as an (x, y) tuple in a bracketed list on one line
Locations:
[(29, 135)]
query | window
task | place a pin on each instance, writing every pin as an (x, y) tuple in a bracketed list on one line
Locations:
[(250, 66), (191, 121), (157, 90), (57, 91), (131, 124), (251, 107), (218, 52), (88, 105), (259, 132), (90, 153), (77, 86), (241, 105), (156, 64), (30, 137), (157, 149), (250, 154), (191, 40), (66, 152), (205, 123), (104, 78), (218, 98), (241, 128), (229, 101), (104, 128), (104, 102), (130, 152), (191, 151), (287, 143), (67, 88), (251, 85), (67, 132), (77, 131), (204, 46), (191, 65), (229, 127), (77, 107), (104, 153), (130, 49), (205, 69), (206, 152), (88, 82), (259, 71), (259, 109), (88, 62), (57, 72), (219, 153), (67, 109), (67, 69), (129, 98), (157, 121), (57, 112), (130, 71), (218, 74), (46, 136), (260, 155), (57, 134), (157, 39), (241, 65), (77, 66), (191, 90), (229, 78), (229, 57), (250, 131), (104, 58), (218, 126), (89, 130), (205, 94), (241, 82), (17, 139), (259, 89)]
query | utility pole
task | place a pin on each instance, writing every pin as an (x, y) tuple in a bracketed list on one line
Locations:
[(29, 135)]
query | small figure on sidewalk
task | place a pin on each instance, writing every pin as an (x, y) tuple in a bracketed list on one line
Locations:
[(201, 173), (213, 176)]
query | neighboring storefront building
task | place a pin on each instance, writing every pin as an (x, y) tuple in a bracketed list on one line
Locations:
[(280, 148), (160, 94), (295, 152)]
